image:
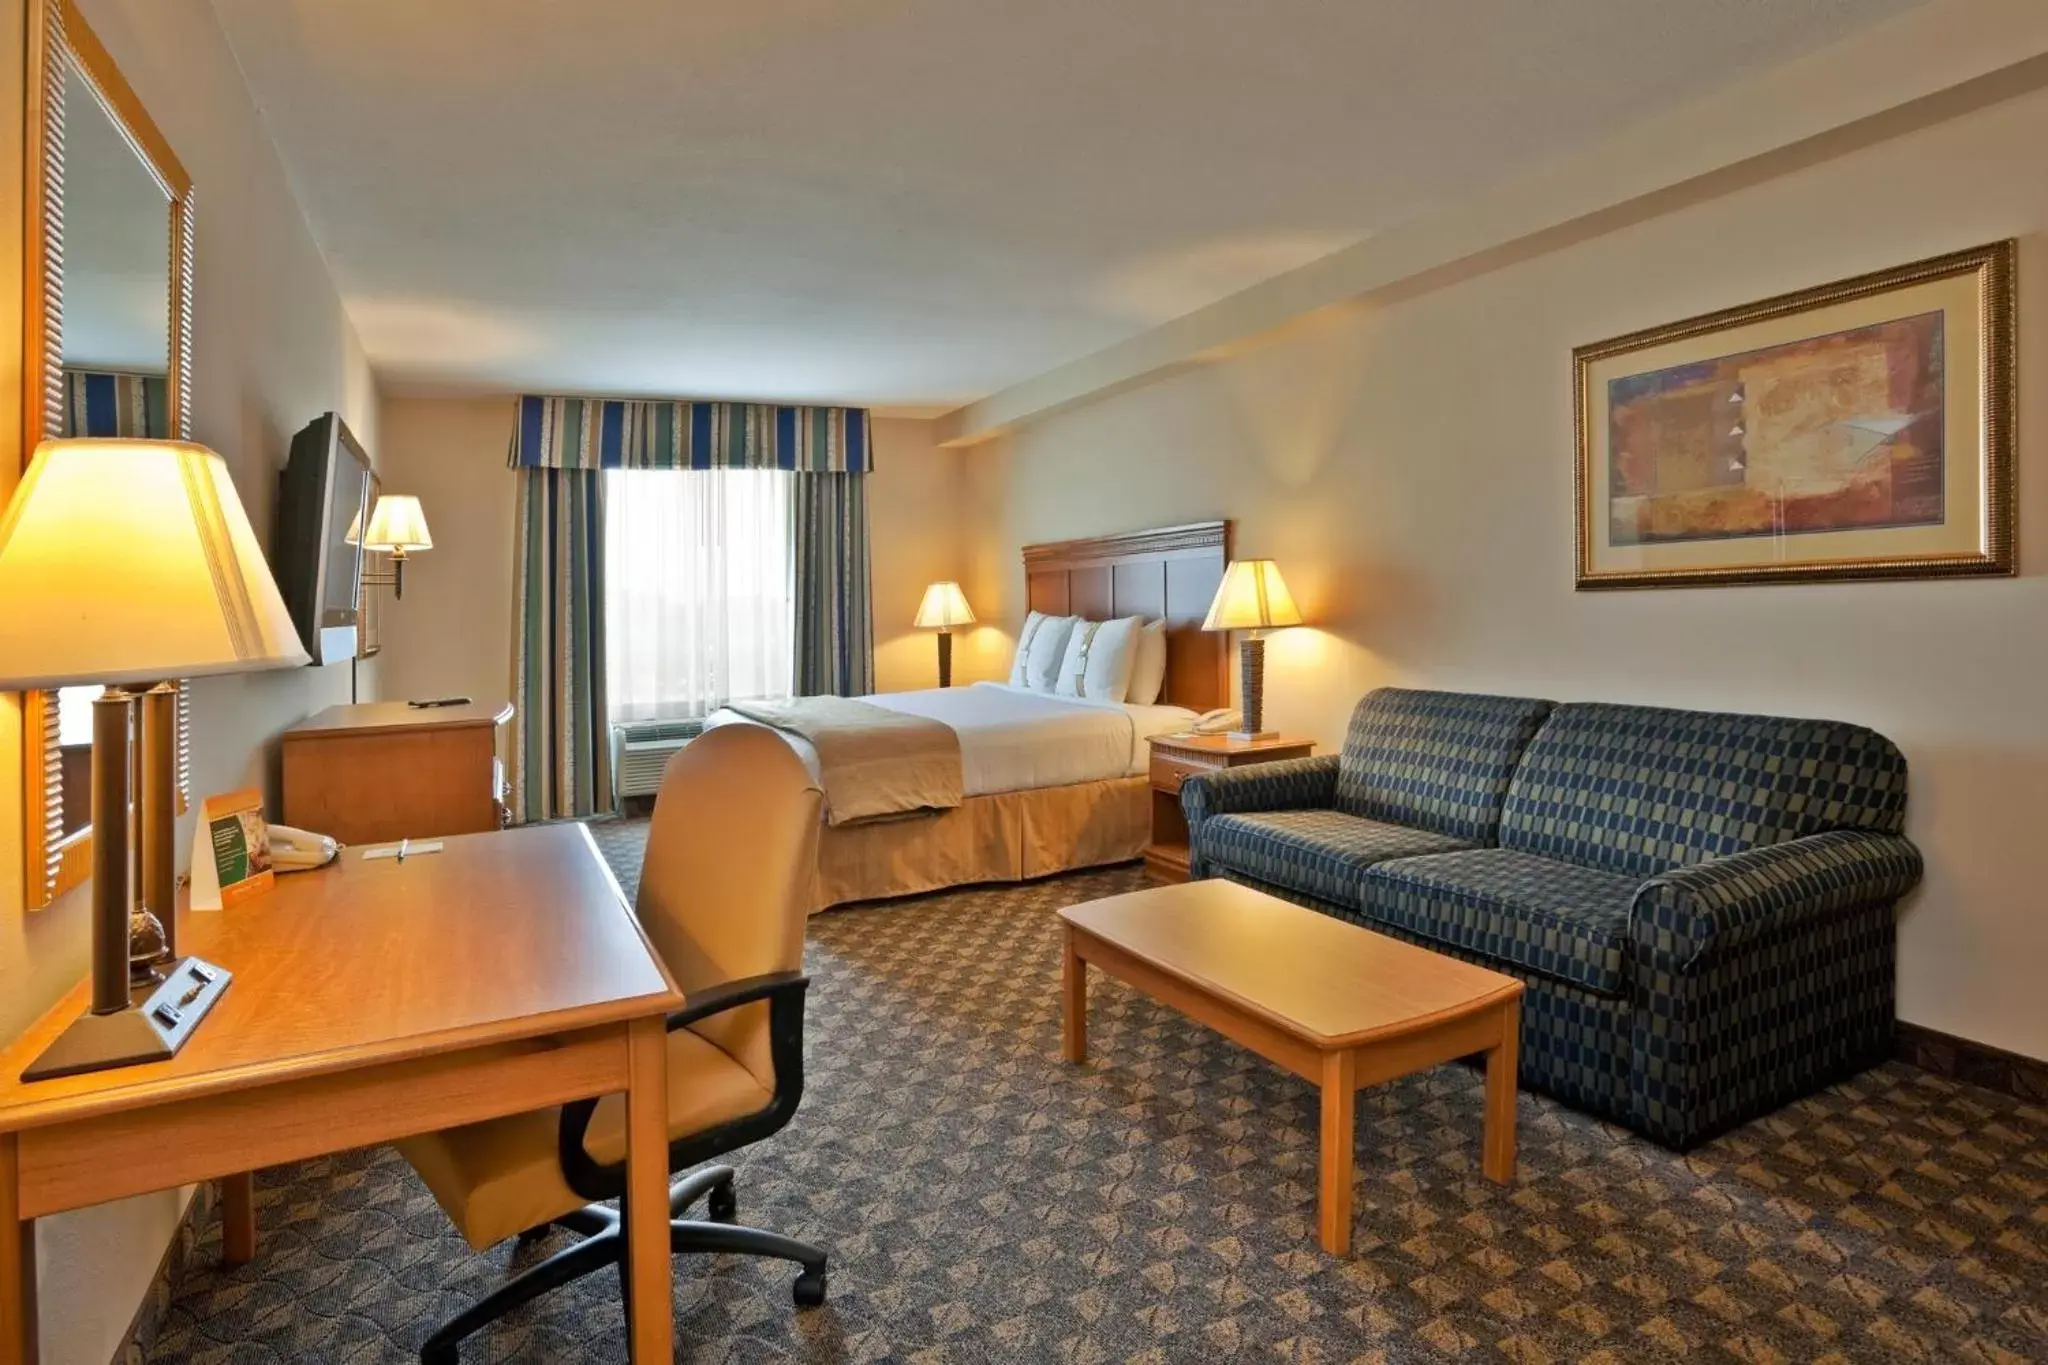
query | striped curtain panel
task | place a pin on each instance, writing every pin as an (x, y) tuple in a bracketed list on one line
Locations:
[(835, 627), (561, 763), (116, 403), (621, 433)]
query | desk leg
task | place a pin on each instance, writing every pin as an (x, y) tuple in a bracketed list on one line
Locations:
[(18, 1327), (1340, 1109), (1497, 1158), (652, 1330), (238, 1218), (1074, 995)]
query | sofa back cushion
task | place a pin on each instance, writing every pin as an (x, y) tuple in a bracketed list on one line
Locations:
[(1438, 761), (1640, 789)]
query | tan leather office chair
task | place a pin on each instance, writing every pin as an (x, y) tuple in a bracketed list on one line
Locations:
[(724, 895)]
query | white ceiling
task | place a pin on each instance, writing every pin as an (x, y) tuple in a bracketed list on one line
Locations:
[(910, 203)]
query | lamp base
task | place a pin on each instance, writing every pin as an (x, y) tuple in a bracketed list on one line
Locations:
[(1251, 736), (150, 1032)]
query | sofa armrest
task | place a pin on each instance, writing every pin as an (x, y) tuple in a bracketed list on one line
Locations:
[(1689, 916), (1291, 784)]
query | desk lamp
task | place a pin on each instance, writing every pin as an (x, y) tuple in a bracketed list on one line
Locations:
[(131, 563), (944, 607), (1254, 599)]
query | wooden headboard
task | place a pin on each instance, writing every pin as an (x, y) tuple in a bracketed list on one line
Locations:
[(1172, 573)]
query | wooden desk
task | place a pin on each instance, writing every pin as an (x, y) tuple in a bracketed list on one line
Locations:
[(370, 1001), (385, 771), (1337, 1005)]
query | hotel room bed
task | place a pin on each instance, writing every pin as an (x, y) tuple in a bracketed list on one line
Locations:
[(1049, 784), (1015, 739)]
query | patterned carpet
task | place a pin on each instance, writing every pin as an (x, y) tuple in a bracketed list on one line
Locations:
[(984, 1202)]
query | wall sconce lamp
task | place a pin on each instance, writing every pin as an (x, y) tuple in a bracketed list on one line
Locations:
[(398, 527)]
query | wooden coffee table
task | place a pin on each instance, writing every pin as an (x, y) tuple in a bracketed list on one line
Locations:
[(1335, 1004)]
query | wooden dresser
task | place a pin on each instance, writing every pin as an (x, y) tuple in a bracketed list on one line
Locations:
[(1175, 758), (385, 770)]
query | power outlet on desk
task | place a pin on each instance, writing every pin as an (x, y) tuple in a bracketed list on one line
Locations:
[(150, 1032)]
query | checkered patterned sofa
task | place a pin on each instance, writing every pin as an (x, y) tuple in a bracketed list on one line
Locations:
[(1700, 904)]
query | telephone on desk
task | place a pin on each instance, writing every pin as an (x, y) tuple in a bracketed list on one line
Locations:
[(1220, 721), (298, 850)]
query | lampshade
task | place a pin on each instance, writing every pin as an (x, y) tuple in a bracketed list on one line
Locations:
[(126, 561), (398, 525), (1252, 597), (944, 605)]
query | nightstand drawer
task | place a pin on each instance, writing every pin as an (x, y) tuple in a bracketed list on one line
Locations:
[(1169, 773)]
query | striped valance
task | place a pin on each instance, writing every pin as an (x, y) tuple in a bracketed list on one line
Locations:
[(115, 403), (618, 433)]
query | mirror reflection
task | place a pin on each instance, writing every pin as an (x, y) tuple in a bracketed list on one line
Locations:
[(116, 332)]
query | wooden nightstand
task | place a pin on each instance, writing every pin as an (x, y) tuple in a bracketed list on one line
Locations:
[(1174, 759)]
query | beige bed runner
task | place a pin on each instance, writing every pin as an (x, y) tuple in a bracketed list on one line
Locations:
[(872, 763)]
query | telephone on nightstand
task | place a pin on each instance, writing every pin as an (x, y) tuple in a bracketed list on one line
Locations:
[(297, 850), (1220, 721)]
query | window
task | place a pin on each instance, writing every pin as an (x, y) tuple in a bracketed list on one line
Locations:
[(697, 604)]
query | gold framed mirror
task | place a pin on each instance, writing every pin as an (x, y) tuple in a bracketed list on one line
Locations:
[(107, 351)]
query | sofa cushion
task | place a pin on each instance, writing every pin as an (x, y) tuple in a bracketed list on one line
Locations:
[(1320, 852), (1638, 790), (1556, 919), (1436, 760)]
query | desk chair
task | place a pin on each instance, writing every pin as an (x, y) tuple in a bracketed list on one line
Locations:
[(724, 896)]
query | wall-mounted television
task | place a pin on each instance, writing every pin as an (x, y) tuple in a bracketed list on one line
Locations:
[(322, 506)]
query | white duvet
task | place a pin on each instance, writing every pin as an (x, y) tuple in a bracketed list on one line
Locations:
[(1014, 739)]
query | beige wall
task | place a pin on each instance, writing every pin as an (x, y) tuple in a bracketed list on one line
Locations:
[(914, 527), (272, 350), (453, 632), (1409, 463), (451, 635)]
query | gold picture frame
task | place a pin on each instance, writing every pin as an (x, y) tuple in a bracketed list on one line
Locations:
[(1857, 430)]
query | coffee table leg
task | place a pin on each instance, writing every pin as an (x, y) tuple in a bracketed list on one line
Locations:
[(1074, 997), (1340, 1100), (1498, 1159)]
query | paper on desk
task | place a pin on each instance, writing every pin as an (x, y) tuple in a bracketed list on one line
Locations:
[(413, 849)]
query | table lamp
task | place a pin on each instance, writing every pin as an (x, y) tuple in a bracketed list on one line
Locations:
[(1254, 599), (131, 563), (398, 527), (944, 607)]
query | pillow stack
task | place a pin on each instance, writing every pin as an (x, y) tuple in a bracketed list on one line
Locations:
[(1148, 675), (1120, 660), (1041, 645), (1100, 657)]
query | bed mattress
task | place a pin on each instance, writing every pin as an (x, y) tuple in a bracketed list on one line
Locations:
[(1014, 739)]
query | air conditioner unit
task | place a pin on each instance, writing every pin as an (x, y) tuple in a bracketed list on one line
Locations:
[(640, 753)]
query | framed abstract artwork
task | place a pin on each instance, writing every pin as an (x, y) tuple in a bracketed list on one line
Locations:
[(1863, 429)]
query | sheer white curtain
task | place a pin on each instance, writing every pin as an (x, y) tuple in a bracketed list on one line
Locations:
[(697, 594)]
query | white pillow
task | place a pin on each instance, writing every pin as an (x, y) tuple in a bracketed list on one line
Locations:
[(1099, 660), (1048, 648), (1148, 675), (1033, 623)]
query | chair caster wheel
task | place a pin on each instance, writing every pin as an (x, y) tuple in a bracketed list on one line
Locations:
[(809, 1289), (725, 1204)]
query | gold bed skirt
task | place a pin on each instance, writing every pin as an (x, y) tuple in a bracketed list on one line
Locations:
[(1007, 837)]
